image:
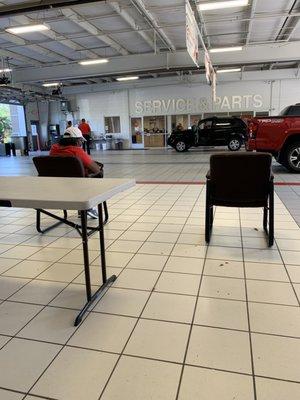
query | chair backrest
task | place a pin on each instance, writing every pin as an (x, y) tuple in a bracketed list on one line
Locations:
[(240, 178), (60, 166)]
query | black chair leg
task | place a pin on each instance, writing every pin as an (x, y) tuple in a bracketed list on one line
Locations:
[(266, 219), (271, 216), (38, 221), (106, 216), (208, 214), (211, 216)]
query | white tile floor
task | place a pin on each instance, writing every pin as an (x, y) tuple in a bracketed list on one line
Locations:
[(183, 321)]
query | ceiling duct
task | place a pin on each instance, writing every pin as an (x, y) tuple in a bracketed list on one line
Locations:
[(13, 95)]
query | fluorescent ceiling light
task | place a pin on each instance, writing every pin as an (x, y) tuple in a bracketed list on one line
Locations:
[(94, 62), (50, 84), (225, 49), (128, 78), (223, 71), (222, 4), (5, 70), (17, 30)]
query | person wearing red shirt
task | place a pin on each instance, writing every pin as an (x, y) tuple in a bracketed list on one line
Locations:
[(70, 145), (86, 133)]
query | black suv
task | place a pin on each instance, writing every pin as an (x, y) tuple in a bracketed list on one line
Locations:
[(230, 131)]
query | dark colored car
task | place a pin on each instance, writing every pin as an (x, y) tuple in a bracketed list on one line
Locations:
[(227, 131)]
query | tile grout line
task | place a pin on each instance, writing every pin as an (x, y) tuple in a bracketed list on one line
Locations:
[(62, 346), (75, 330), (193, 318), (145, 305), (123, 268), (248, 313)]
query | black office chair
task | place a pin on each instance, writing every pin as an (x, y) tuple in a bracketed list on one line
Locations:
[(240, 180), (66, 167)]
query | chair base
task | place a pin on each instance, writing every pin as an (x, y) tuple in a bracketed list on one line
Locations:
[(268, 215)]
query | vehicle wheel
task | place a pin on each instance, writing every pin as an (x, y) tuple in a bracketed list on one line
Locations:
[(234, 144), (180, 146), (292, 157)]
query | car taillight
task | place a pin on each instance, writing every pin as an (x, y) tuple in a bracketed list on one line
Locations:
[(252, 130)]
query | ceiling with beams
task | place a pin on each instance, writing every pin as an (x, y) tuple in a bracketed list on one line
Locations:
[(136, 29)]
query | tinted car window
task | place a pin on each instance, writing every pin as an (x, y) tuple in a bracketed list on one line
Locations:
[(294, 110), (205, 124), (291, 110), (284, 111)]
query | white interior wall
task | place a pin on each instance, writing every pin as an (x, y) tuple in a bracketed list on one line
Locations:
[(94, 107), (182, 98)]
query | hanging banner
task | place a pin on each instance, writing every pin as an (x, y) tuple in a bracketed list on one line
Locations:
[(214, 86), (191, 34), (211, 75), (208, 67)]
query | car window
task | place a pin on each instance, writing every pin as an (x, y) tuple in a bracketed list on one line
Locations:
[(205, 124), (294, 110), (284, 111)]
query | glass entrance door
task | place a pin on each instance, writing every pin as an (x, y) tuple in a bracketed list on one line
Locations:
[(137, 137)]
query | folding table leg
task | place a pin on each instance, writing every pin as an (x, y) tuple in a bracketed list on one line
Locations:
[(105, 213), (105, 282)]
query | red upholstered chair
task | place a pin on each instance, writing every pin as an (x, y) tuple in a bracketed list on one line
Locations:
[(240, 180)]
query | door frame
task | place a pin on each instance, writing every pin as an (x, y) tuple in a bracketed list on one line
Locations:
[(38, 130), (137, 145)]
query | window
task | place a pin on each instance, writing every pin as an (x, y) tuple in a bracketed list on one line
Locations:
[(262, 114), (294, 110), (155, 124), (112, 124), (179, 121), (195, 119), (12, 121), (136, 131), (206, 124)]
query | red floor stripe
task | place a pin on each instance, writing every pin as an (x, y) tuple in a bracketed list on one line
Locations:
[(203, 183)]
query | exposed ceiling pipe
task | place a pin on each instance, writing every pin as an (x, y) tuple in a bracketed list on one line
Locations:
[(140, 6), (93, 30), (32, 6), (131, 21)]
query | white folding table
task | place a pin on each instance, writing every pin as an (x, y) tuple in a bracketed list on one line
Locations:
[(79, 194)]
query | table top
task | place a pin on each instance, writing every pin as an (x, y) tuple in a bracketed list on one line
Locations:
[(60, 193)]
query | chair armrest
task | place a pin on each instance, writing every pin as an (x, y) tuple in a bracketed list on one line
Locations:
[(208, 175), (100, 164), (96, 175), (272, 177)]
